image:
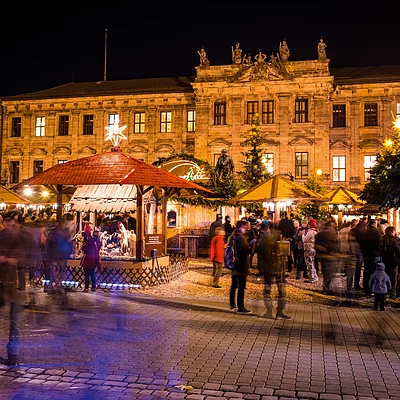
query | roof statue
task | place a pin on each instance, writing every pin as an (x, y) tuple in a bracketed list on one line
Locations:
[(204, 61), (321, 50), (237, 54), (261, 68), (284, 51)]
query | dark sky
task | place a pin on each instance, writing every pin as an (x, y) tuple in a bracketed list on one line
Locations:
[(52, 43)]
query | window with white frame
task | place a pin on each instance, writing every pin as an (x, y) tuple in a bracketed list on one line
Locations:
[(40, 125), (369, 162), (268, 162), (113, 119), (397, 110), (339, 168), (165, 121), (191, 121)]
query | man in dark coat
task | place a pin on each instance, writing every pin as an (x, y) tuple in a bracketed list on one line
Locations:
[(355, 251), (369, 244), (327, 252), (390, 253), (228, 227), (286, 226), (216, 224), (242, 270)]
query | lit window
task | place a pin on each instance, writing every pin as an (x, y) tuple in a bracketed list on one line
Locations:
[(268, 161), (40, 125), (339, 168), (252, 110), (113, 119), (191, 121), (369, 162), (62, 161), (267, 115), (165, 121), (301, 165), (139, 122), (397, 110)]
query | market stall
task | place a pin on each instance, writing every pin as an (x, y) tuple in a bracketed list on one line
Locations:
[(118, 169)]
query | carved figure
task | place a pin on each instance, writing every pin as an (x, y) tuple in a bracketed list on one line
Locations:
[(321, 50), (284, 51), (204, 62), (247, 60), (260, 57), (237, 54), (224, 165)]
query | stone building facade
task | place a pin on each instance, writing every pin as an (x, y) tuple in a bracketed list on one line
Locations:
[(312, 117)]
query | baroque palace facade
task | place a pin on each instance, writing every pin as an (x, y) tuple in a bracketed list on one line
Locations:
[(312, 117)]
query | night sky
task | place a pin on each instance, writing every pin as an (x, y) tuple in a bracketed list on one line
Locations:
[(51, 43)]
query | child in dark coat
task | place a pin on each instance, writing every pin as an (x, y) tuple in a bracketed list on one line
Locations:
[(380, 285)]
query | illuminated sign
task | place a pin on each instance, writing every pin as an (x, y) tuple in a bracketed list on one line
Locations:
[(185, 169)]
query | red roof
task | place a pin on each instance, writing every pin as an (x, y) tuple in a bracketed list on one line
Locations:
[(113, 167)]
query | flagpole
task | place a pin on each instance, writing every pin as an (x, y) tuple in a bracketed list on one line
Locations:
[(105, 56)]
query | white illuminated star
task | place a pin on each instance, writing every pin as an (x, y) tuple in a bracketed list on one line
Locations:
[(114, 133)]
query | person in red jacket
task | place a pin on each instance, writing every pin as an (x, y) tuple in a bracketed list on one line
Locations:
[(90, 259), (217, 255)]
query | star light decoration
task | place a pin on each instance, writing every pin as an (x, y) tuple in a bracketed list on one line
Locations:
[(114, 133)]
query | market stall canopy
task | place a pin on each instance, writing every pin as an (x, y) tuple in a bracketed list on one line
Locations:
[(8, 196), (275, 189), (113, 168), (104, 198), (341, 195)]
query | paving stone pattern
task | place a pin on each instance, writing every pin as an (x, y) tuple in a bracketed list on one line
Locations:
[(132, 346)]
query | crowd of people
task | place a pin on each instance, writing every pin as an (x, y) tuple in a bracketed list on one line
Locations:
[(364, 251)]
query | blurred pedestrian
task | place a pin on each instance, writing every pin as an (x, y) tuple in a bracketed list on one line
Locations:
[(346, 266), (369, 242), (287, 227), (327, 251), (379, 284), (309, 250), (216, 224), (390, 253), (228, 227), (217, 255), (90, 259), (356, 254), (298, 252), (240, 273), (11, 251), (274, 266)]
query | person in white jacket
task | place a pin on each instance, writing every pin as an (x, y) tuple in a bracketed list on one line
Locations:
[(309, 250)]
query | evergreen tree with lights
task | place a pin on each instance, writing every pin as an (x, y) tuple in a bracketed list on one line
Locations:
[(254, 169), (383, 186)]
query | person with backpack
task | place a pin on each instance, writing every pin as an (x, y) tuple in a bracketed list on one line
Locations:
[(242, 267), (217, 255), (390, 254)]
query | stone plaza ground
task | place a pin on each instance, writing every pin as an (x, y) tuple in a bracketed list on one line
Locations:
[(179, 341)]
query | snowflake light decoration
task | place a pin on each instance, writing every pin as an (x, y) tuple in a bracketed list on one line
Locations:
[(114, 133)]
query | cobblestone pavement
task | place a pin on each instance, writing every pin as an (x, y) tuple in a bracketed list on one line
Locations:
[(138, 346)]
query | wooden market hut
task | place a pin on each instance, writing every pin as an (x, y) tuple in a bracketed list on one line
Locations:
[(115, 168), (277, 194), (10, 198)]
